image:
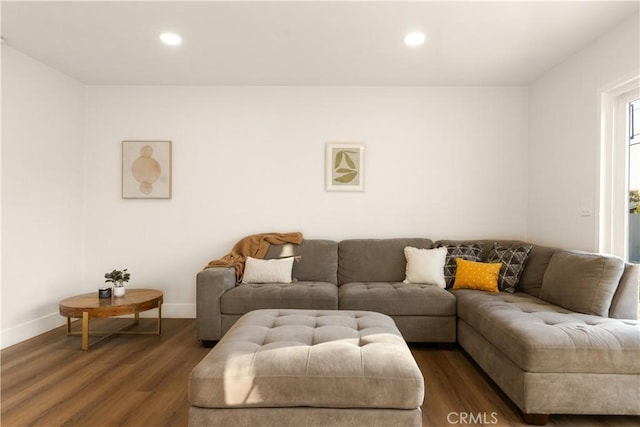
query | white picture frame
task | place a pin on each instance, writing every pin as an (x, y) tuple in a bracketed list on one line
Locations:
[(344, 166)]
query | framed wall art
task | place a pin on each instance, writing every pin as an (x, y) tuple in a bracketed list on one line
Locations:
[(344, 166), (146, 169)]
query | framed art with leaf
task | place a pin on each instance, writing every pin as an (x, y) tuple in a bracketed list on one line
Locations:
[(344, 166)]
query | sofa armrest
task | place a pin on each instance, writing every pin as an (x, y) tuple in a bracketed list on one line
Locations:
[(211, 283)]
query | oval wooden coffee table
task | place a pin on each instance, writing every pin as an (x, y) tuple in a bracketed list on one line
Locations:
[(88, 306)]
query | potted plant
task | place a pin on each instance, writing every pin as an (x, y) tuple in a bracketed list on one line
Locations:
[(117, 277)]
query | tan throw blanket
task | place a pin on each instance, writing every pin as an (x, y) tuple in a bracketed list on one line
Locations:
[(255, 246)]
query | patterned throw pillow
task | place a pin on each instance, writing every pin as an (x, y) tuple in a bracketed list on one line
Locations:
[(468, 252), (513, 261)]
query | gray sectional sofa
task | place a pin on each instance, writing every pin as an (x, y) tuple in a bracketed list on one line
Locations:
[(566, 341)]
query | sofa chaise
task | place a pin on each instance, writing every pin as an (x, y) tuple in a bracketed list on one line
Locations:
[(566, 339)]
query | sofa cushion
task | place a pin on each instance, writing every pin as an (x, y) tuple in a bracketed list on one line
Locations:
[(375, 260), (582, 282), (304, 295), (470, 252), (425, 266), (397, 299), (533, 273), (513, 260), (542, 337), (318, 259), (537, 262)]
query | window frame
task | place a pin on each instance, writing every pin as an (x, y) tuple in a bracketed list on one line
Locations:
[(613, 203)]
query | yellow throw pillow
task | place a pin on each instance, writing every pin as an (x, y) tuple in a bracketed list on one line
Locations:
[(477, 275)]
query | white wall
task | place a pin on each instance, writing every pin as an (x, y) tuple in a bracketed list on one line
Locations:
[(564, 137), (43, 133), (440, 162)]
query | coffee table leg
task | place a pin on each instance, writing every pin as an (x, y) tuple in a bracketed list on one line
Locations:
[(85, 331), (68, 325), (159, 318)]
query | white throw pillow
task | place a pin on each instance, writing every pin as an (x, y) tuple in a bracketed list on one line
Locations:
[(267, 270), (425, 265)]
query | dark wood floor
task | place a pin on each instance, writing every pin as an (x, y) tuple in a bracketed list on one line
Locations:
[(142, 381)]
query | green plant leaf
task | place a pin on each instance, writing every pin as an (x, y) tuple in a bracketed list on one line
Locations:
[(346, 178), (339, 155), (117, 276), (345, 170), (350, 162)]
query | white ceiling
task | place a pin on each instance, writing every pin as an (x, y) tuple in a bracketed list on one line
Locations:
[(307, 43)]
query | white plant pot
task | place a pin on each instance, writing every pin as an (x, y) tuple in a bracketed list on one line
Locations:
[(118, 291)]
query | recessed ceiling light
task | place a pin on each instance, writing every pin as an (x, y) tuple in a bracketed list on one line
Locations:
[(414, 39), (171, 39)]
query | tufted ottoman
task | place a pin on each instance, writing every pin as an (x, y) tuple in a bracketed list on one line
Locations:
[(308, 368)]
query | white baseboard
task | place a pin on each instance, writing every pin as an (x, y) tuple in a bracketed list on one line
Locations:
[(32, 328), (176, 311)]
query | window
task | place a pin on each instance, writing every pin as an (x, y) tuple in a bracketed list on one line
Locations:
[(634, 181)]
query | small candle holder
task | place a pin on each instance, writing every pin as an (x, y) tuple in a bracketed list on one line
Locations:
[(104, 293)]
